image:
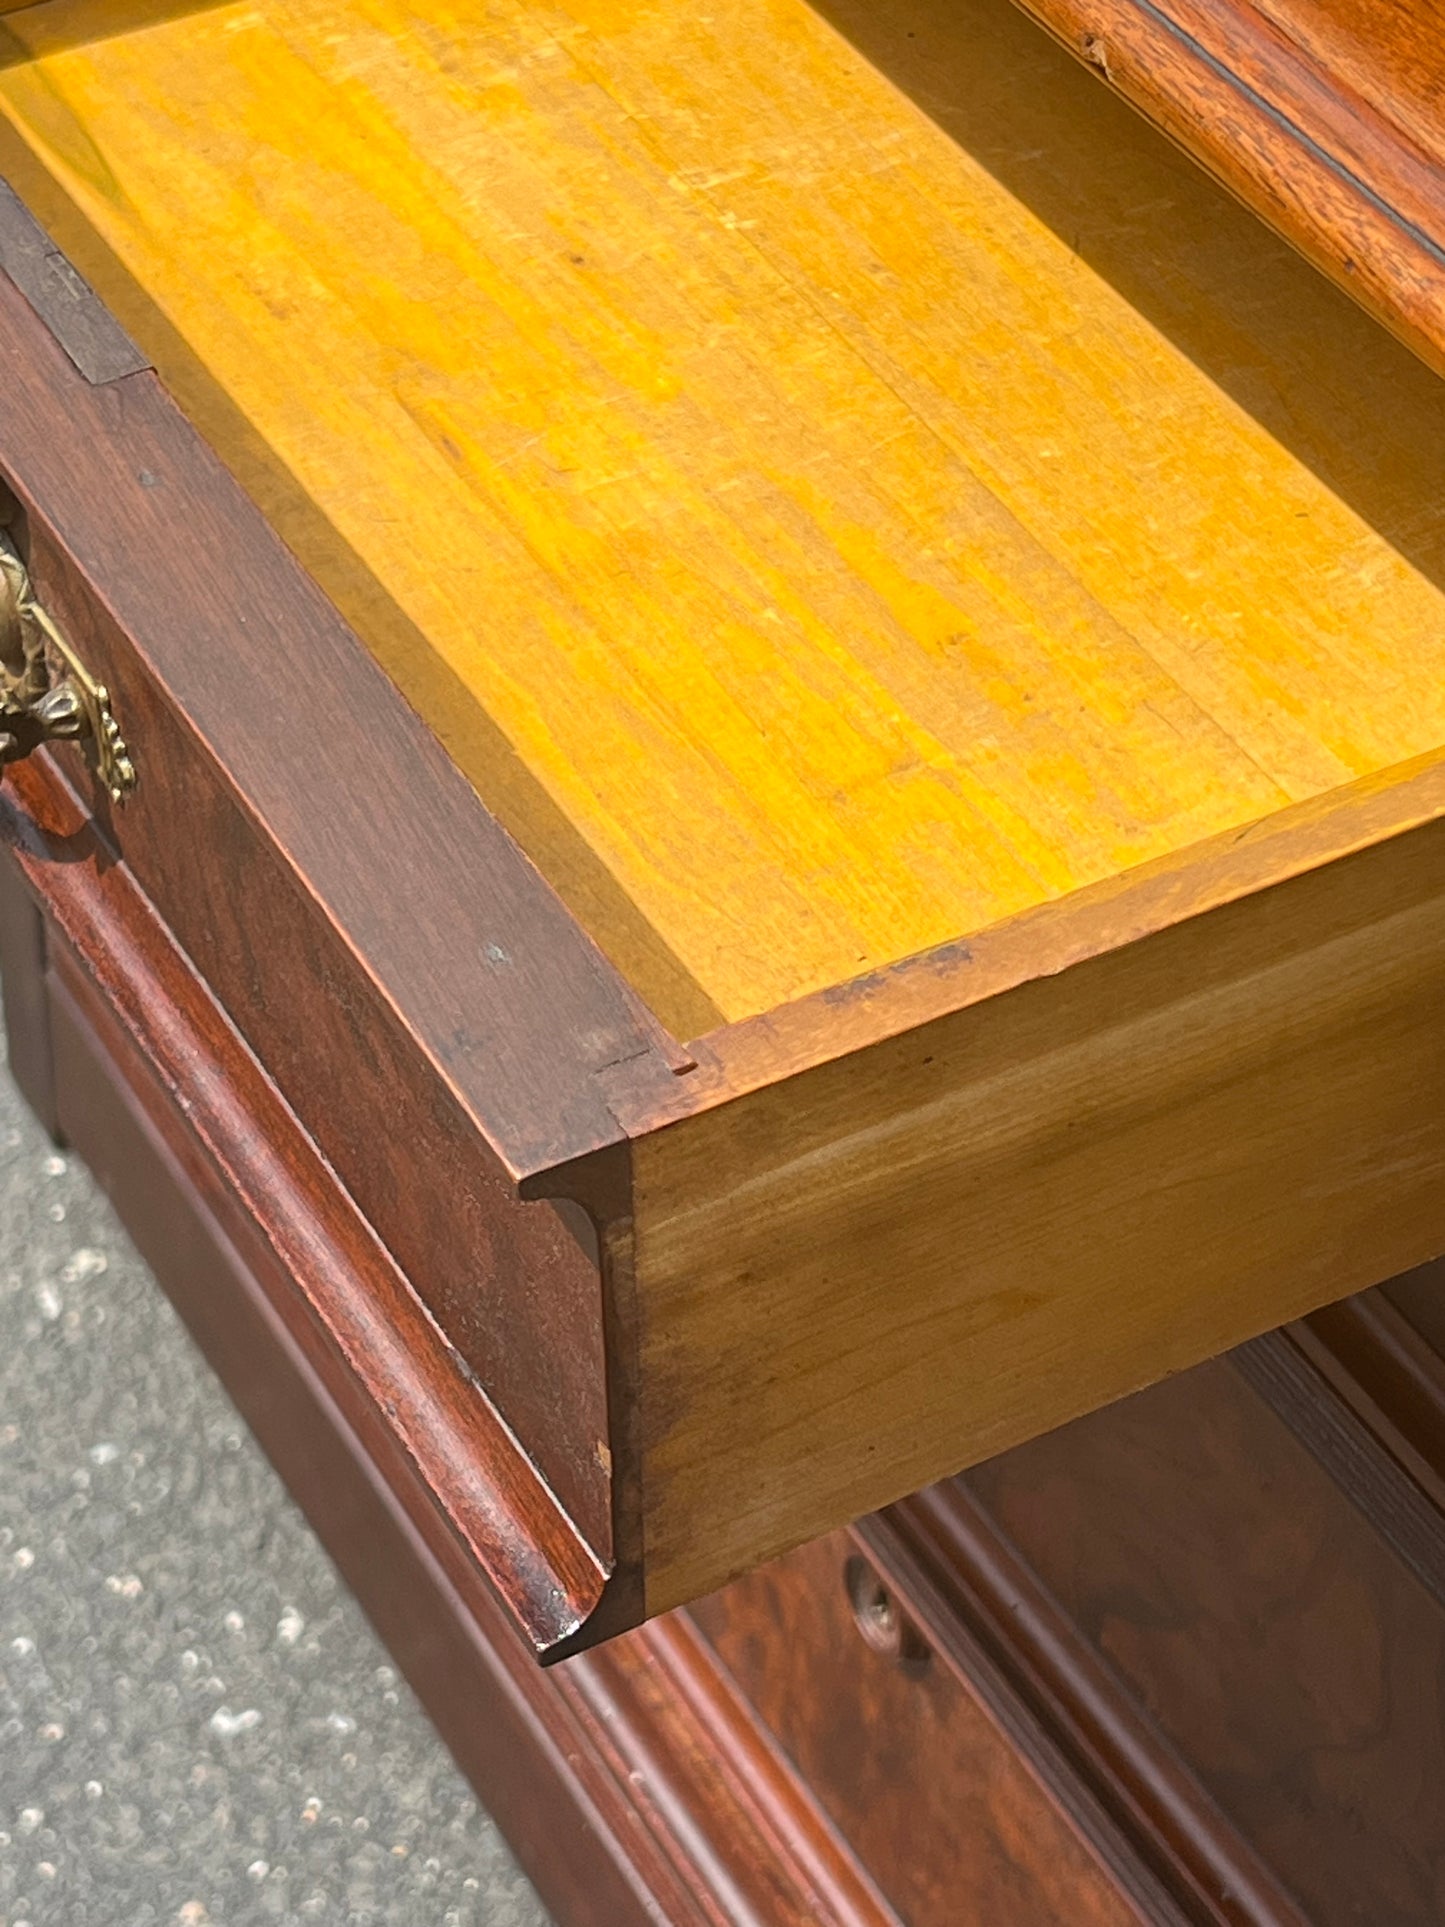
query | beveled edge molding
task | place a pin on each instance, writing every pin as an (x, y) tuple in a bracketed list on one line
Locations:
[(1295, 140), (1143, 1807), (658, 1699), (431, 1430), (1364, 1392), (635, 1784)]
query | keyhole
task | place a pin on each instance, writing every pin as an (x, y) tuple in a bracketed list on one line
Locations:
[(880, 1619)]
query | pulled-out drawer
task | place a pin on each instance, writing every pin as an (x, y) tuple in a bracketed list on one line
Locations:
[(833, 826)]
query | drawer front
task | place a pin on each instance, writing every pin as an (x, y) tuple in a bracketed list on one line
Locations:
[(932, 1785), (275, 761)]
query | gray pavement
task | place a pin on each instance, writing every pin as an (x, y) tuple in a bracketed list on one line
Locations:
[(197, 1726)]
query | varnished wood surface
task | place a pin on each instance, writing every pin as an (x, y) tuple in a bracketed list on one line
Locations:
[(425, 1420), (636, 1787), (1287, 1370), (1286, 1038), (308, 901), (1227, 1601), (857, 525), (917, 1767), (83, 325), (1323, 115), (944, 1545), (1280, 1645), (334, 843), (1215, 1623), (1376, 1352), (1389, 55)]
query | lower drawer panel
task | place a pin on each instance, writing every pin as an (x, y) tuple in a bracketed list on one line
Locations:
[(1258, 1603), (1183, 1659), (935, 1793)]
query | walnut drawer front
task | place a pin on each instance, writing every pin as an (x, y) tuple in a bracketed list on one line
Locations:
[(932, 1773), (1198, 1632)]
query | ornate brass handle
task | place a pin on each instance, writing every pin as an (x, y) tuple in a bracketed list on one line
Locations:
[(47, 695)]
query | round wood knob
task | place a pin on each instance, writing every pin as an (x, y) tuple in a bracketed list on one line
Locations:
[(880, 1618)]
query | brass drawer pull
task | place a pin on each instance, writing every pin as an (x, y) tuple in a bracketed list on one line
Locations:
[(47, 695)]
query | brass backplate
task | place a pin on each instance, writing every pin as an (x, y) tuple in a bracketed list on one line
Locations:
[(47, 695)]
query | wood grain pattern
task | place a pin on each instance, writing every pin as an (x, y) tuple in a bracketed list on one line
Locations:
[(1420, 1298), (512, 1289), (84, 327), (859, 562), (424, 1419), (689, 1749), (1284, 1371), (191, 606), (1231, 1586), (866, 1240), (311, 852), (923, 1771), (906, 1260), (1379, 1360), (1322, 115), (943, 1543), (1242, 1615), (291, 904)]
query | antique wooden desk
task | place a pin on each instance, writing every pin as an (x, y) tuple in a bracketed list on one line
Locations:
[(786, 694)]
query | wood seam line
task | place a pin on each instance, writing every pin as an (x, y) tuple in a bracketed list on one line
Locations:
[(1349, 1453), (1342, 171)]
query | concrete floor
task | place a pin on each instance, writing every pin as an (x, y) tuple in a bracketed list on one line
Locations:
[(196, 1723)]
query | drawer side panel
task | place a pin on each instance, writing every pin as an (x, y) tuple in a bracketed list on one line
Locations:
[(899, 1264)]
